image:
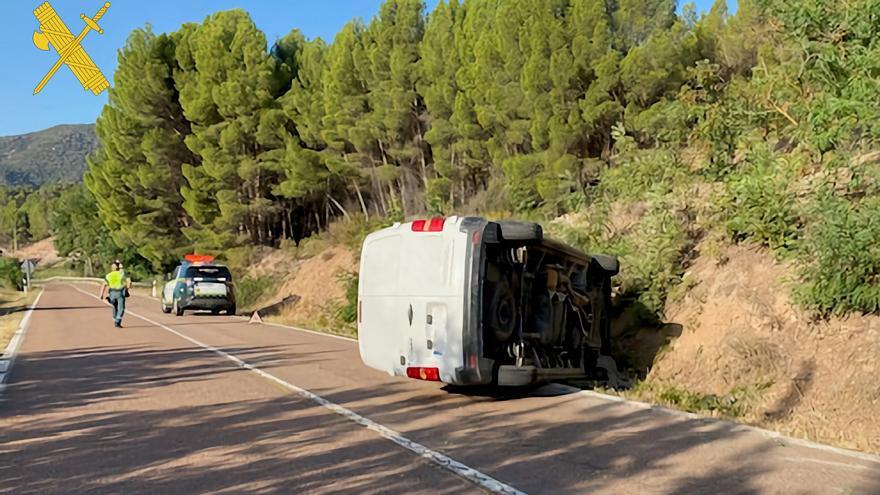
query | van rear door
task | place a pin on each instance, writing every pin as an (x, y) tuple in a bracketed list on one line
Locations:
[(410, 295), (430, 286)]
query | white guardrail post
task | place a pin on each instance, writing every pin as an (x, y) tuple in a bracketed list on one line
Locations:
[(153, 292)]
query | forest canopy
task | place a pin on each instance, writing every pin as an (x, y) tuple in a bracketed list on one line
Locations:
[(759, 127)]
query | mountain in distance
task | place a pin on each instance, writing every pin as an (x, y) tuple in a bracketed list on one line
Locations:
[(56, 155)]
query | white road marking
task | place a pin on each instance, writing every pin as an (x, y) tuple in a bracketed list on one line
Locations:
[(478, 478), (841, 465), (7, 359), (306, 330)]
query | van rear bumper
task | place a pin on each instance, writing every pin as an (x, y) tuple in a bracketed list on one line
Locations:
[(467, 375), (518, 376)]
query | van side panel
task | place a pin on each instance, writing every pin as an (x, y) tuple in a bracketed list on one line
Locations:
[(380, 321)]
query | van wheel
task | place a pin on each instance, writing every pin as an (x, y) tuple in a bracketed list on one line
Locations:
[(512, 230), (502, 313), (231, 311), (215, 311), (178, 311)]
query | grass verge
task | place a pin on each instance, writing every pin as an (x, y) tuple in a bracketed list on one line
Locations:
[(13, 305)]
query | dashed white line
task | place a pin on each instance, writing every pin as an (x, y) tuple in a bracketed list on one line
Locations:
[(478, 478)]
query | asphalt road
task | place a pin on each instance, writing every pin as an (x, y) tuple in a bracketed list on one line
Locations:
[(148, 409)]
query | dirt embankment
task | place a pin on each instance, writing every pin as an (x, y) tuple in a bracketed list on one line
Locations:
[(741, 337), (311, 288)]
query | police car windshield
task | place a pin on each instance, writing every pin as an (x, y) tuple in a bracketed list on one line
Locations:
[(208, 272)]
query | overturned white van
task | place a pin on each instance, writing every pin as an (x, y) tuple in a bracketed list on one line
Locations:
[(467, 301)]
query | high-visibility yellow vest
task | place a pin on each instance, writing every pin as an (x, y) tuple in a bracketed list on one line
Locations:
[(116, 280)]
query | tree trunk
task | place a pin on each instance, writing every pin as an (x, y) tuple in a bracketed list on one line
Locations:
[(421, 145), (360, 196), (339, 206), (401, 183)]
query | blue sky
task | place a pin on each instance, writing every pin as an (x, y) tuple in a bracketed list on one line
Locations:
[(63, 101)]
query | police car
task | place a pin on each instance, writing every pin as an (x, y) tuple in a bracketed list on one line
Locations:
[(199, 284)]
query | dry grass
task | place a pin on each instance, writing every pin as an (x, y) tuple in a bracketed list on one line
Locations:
[(12, 305), (317, 283)]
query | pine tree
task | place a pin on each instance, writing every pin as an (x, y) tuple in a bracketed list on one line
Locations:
[(135, 175), (228, 86), (352, 148), (439, 62), (398, 114)]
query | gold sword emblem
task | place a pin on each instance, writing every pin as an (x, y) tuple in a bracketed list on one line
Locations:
[(70, 51)]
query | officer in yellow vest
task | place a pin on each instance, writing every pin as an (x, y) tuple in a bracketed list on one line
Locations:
[(118, 283)]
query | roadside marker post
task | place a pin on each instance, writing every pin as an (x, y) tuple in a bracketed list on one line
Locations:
[(27, 266)]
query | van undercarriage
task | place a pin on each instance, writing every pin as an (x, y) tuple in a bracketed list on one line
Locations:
[(545, 306)]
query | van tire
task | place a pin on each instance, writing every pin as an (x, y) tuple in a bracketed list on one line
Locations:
[(609, 264), (512, 230)]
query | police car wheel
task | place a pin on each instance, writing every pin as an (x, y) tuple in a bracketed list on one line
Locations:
[(165, 309), (178, 311)]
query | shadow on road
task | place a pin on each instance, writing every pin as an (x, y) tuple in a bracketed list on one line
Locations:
[(46, 381), (51, 444), (589, 452)]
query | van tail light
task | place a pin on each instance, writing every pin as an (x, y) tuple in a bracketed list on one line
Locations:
[(360, 311), (427, 374), (436, 224), (433, 225)]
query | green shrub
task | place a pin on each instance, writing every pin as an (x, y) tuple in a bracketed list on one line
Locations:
[(758, 206), (249, 290), (652, 257), (651, 254), (437, 195), (10, 273), (642, 172), (347, 312), (735, 404), (840, 257)]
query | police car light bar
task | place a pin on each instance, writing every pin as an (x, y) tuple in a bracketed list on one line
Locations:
[(199, 258)]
